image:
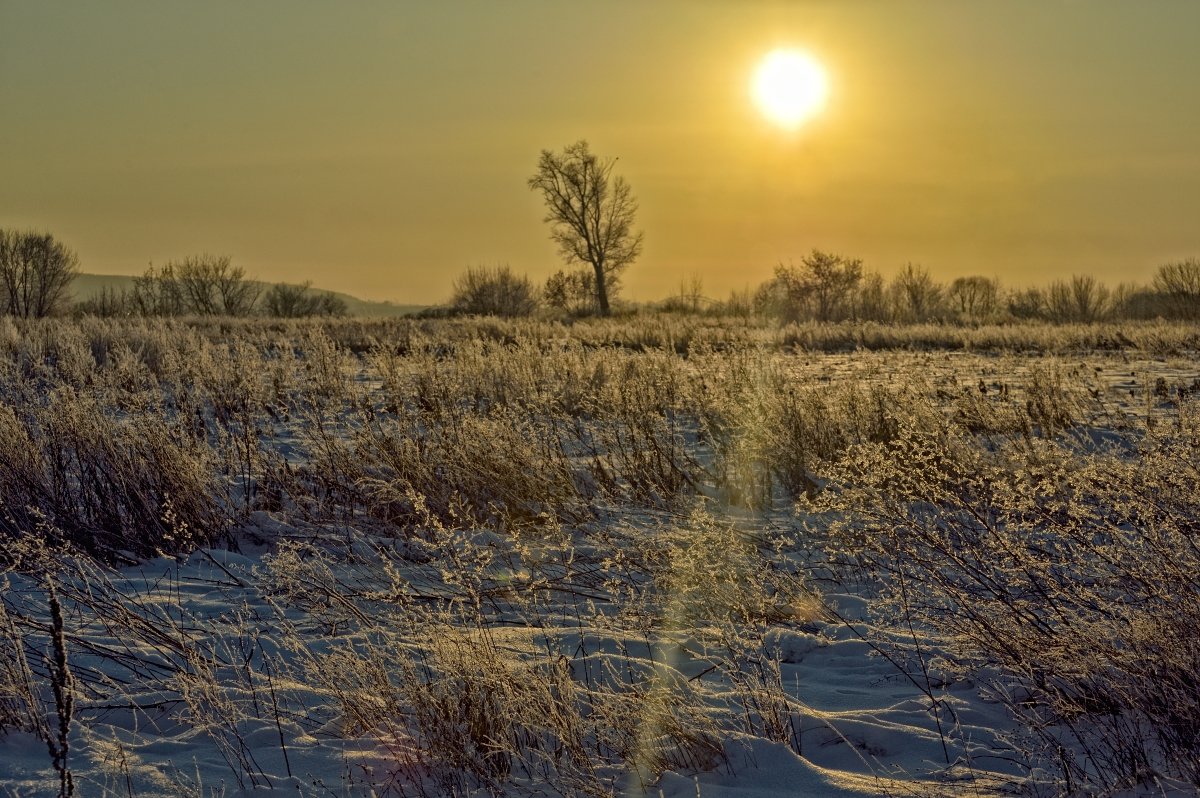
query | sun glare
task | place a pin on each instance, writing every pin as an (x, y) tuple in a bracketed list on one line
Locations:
[(790, 87)]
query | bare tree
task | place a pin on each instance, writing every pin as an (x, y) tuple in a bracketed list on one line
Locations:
[(1082, 299), (830, 280), (1133, 301), (212, 286), (822, 286), (106, 303), (238, 295), (286, 301), (197, 279), (35, 273), (494, 292), (1179, 283), (590, 213), (691, 293), (690, 298), (870, 300), (974, 297), (1027, 303), (157, 293), (201, 285), (739, 304), (917, 297)]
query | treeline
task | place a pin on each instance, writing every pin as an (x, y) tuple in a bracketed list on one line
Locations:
[(36, 272), (829, 287), (209, 285), (826, 287)]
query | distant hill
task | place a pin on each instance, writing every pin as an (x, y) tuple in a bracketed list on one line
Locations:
[(87, 286)]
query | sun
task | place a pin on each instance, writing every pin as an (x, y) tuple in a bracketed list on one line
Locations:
[(790, 87)]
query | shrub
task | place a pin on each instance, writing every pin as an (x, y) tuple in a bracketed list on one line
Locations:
[(286, 301), (494, 291)]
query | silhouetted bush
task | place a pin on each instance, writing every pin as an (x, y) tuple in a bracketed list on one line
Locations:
[(286, 301), (494, 291)]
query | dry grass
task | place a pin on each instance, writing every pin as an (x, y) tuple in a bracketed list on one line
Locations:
[(1067, 584), (444, 482)]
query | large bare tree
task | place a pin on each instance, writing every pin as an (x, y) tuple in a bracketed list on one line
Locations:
[(590, 212), (35, 272)]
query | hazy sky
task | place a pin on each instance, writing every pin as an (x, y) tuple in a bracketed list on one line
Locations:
[(381, 148)]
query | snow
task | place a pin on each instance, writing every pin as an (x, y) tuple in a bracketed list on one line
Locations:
[(861, 724), (167, 652)]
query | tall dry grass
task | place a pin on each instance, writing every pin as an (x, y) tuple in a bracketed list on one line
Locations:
[(459, 481), (1063, 580)]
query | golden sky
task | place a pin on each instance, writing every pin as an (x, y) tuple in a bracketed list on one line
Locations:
[(381, 148)]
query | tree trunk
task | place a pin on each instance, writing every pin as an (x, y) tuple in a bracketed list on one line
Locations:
[(601, 290)]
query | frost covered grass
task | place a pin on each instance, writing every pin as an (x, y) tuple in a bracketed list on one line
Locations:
[(485, 557), (1066, 585)]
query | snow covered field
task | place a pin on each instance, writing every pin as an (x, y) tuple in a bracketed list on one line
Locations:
[(506, 560), (211, 676)]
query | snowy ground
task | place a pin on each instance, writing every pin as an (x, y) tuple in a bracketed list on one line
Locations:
[(861, 725), (213, 675)]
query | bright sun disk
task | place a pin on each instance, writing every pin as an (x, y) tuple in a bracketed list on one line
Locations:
[(790, 87)]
